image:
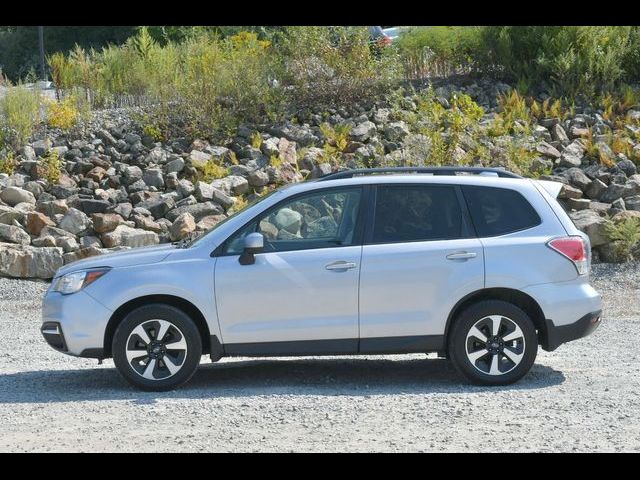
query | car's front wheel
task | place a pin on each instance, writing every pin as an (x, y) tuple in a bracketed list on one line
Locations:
[(493, 343), (157, 347)]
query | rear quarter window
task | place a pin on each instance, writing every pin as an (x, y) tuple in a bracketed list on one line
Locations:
[(498, 211)]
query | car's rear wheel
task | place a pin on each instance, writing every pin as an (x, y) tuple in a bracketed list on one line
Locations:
[(493, 343), (157, 347)]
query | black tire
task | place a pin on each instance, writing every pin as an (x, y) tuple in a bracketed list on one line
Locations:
[(460, 347), (183, 328)]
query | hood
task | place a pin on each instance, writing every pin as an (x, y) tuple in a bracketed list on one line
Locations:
[(124, 258)]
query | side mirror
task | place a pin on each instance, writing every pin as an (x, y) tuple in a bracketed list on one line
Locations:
[(253, 244)]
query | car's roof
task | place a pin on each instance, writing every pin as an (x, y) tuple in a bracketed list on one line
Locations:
[(399, 179)]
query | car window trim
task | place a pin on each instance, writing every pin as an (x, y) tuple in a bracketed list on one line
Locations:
[(357, 236), (467, 231)]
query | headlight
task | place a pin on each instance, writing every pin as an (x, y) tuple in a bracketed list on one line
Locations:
[(73, 282)]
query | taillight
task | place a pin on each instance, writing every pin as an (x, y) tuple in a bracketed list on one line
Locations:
[(573, 248), (385, 41)]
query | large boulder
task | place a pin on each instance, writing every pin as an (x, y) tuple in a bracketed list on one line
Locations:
[(182, 227), (91, 205), (572, 155), (14, 195), (301, 134), (258, 178), (270, 146), (312, 156), (153, 177), (617, 190), (207, 192), (75, 221), (595, 189), (577, 178), (83, 253), (558, 133), (287, 151), (396, 131), (29, 262), (105, 222), (36, 221), (548, 150), (633, 203), (363, 131), (209, 222), (592, 224), (176, 165), (8, 215), (127, 236), (158, 206), (12, 234), (199, 211)]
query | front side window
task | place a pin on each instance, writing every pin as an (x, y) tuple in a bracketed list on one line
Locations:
[(317, 220), (498, 211), (414, 213)]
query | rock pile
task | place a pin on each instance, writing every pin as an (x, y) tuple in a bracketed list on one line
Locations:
[(121, 189)]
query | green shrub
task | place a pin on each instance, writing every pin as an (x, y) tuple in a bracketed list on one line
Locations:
[(50, 167), (61, 72), (631, 59), (67, 113), (514, 116), (625, 235), (440, 51), (519, 159), (275, 160), (241, 203), (212, 170), (256, 140), (337, 138), (19, 113), (330, 67), (574, 59), (8, 163)]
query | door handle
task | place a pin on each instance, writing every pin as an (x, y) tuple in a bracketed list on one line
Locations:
[(340, 265), (461, 255)]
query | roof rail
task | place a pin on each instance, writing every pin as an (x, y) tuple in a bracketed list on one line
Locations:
[(498, 172)]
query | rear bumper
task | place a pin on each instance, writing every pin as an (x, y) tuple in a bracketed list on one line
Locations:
[(556, 335), (562, 303)]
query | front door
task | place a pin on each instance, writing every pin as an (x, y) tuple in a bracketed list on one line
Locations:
[(301, 294)]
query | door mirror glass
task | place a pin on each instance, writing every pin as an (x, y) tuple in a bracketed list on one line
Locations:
[(253, 244)]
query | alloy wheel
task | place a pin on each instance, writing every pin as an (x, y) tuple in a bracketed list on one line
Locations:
[(495, 345), (156, 349)]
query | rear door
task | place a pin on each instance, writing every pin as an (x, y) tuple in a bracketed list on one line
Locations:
[(514, 227), (420, 257)]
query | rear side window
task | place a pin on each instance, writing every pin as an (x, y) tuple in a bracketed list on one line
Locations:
[(498, 211), (413, 213)]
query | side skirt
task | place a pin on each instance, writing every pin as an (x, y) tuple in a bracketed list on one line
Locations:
[(347, 346)]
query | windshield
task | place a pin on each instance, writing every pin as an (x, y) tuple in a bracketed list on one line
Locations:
[(199, 237)]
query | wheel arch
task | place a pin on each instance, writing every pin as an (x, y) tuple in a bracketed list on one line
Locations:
[(180, 303), (515, 297)]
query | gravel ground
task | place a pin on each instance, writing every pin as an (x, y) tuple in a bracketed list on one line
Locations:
[(582, 397)]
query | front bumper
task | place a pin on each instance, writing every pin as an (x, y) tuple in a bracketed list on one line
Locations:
[(557, 335), (74, 324), (52, 333)]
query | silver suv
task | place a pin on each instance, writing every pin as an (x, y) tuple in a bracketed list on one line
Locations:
[(479, 265)]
